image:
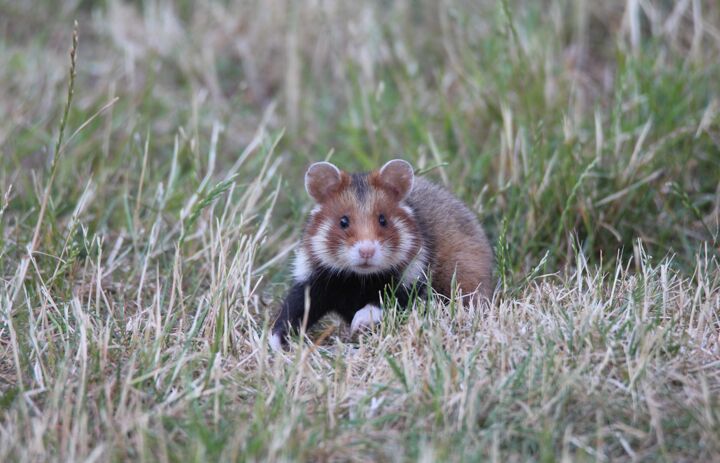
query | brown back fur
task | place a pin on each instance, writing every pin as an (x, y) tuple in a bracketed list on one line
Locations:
[(459, 242)]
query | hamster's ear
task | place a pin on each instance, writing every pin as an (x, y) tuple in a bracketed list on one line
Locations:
[(322, 180), (397, 177)]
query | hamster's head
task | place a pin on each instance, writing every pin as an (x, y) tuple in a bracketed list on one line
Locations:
[(360, 222)]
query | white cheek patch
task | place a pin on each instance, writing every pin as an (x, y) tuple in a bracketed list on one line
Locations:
[(407, 210), (345, 256), (301, 266), (415, 271), (366, 318), (318, 244), (406, 241)]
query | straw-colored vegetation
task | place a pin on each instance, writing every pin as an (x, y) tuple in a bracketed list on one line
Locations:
[(151, 192)]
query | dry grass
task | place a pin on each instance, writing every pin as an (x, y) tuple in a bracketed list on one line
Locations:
[(143, 248)]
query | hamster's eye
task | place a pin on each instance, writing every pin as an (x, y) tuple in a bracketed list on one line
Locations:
[(344, 222), (381, 219)]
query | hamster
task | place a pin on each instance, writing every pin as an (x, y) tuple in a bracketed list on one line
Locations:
[(386, 230)]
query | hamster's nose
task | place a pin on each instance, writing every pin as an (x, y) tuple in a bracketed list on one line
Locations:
[(366, 251)]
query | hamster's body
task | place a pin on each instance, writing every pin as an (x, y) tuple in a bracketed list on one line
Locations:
[(382, 231)]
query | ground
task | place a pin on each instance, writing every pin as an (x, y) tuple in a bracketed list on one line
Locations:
[(151, 194)]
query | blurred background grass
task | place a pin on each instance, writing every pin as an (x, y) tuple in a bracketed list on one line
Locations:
[(552, 119)]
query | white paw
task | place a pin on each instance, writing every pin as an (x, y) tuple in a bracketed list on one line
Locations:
[(275, 343), (366, 318)]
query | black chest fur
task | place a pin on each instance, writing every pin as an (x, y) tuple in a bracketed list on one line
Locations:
[(346, 293), (341, 292)]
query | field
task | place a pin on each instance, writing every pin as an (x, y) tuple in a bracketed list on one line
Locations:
[(151, 194)]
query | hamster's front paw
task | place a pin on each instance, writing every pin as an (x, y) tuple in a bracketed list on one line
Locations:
[(366, 318)]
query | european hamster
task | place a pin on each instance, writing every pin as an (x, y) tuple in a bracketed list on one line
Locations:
[(377, 231)]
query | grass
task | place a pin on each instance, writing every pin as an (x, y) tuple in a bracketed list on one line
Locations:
[(151, 193)]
